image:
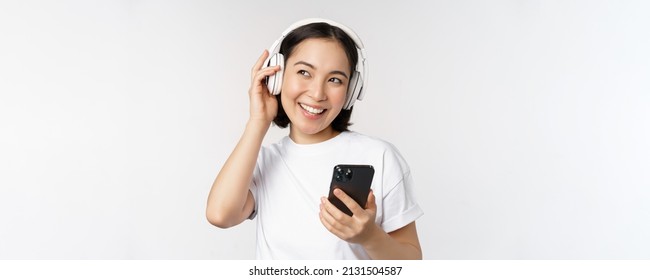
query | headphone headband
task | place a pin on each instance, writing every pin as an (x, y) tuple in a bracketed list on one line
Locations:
[(357, 79)]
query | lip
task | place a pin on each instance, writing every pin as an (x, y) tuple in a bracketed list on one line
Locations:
[(308, 115), (313, 106)]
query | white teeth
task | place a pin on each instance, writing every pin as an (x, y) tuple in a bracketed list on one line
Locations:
[(311, 109)]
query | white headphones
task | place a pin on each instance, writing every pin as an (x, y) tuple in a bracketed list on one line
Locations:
[(357, 79)]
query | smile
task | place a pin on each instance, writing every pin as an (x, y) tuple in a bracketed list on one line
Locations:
[(312, 110)]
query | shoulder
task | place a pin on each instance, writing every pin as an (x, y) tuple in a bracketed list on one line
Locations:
[(274, 148), (389, 155), (372, 143), (270, 154)]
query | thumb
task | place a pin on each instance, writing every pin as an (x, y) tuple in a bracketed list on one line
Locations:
[(370, 203)]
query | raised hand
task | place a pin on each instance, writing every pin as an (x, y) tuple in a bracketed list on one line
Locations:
[(263, 105)]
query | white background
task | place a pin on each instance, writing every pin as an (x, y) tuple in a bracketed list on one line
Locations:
[(526, 123)]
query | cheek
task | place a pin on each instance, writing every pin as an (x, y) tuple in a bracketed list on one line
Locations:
[(337, 96), (286, 100), (291, 85)]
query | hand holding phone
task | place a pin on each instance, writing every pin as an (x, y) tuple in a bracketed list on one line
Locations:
[(355, 181)]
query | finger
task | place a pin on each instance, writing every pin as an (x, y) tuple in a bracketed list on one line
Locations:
[(325, 214), (329, 226), (259, 64), (260, 61), (371, 203), (332, 210), (333, 225), (262, 74), (330, 222), (348, 201)]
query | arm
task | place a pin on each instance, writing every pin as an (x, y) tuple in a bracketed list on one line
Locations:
[(402, 243), (230, 201), (399, 244)]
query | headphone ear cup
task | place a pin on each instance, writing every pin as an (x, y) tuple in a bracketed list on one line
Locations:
[(274, 82), (354, 89)]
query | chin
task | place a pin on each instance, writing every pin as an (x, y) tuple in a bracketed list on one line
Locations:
[(310, 130)]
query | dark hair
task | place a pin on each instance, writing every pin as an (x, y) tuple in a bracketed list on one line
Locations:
[(320, 30)]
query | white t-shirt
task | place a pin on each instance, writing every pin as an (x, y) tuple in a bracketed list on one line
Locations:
[(290, 179)]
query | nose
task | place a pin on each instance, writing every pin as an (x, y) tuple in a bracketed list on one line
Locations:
[(317, 91)]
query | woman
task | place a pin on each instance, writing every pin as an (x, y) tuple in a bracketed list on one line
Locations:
[(282, 186)]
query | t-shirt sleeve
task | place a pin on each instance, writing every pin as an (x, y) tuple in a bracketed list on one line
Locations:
[(399, 205)]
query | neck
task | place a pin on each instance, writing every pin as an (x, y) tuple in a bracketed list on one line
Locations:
[(322, 136)]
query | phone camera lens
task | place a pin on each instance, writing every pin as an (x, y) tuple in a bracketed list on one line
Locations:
[(348, 174), (341, 175), (338, 175)]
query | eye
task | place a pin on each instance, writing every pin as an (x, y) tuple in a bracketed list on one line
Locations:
[(336, 80), (304, 73)]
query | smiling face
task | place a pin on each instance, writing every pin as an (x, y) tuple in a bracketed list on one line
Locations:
[(314, 88)]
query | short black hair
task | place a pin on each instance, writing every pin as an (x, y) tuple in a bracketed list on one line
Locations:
[(319, 30)]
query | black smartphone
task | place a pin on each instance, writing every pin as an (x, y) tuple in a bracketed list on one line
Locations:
[(355, 181)]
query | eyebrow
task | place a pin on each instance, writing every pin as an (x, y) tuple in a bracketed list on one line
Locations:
[(314, 67)]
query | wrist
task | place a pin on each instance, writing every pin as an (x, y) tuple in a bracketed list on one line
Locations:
[(376, 237), (258, 124), (256, 129)]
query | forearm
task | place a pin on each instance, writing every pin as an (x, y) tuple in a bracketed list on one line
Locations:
[(383, 246), (229, 191)]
